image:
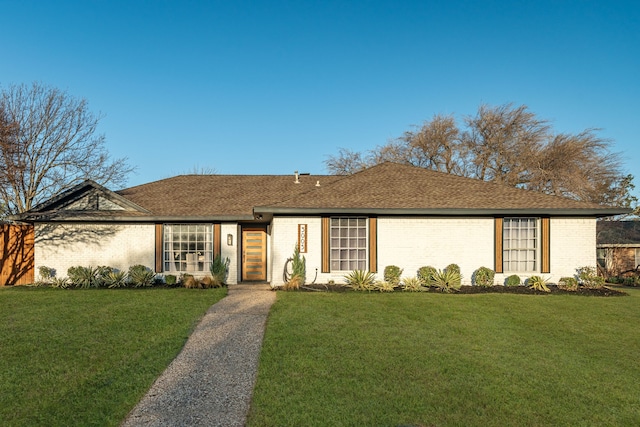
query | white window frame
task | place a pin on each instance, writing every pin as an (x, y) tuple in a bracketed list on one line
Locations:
[(348, 243), (521, 245), (187, 248), (637, 258)]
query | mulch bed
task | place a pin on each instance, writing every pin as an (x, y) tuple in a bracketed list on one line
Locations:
[(601, 292)]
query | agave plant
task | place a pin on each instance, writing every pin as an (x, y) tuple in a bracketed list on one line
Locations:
[(538, 283), (411, 284), (141, 276), (83, 277), (360, 280), (425, 274), (448, 280), (115, 279), (383, 286)]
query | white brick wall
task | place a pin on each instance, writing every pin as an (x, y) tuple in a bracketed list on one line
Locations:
[(61, 246), (227, 251), (411, 243), (573, 245)]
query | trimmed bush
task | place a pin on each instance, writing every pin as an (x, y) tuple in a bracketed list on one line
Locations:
[(484, 277), (170, 280), (568, 283), (392, 274), (513, 280), (425, 274), (588, 277), (453, 268)]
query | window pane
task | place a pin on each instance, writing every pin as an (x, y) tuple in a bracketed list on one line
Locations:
[(190, 246), (519, 244), (348, 251)]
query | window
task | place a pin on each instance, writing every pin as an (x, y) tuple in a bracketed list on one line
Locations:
[(348, 243), (520, 244), (188, 247), (637, 258)]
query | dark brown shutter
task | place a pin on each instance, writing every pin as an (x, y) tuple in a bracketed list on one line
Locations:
[(217, 240), (159, 248), (373, 244), (325, 237), (498, 245), (545, 231)]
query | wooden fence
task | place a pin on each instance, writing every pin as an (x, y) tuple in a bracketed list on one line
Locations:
[(16, 249)]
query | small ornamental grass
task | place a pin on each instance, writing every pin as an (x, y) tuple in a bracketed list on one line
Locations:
[(360, 280), (538, 283), (448, 280), (411, 284)]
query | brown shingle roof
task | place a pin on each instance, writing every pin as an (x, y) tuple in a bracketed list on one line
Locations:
[(618, 233), (385, 187), (395, 186), (218, 195)]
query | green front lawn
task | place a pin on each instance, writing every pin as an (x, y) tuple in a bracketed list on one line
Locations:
[(86, 357), (358, 359)]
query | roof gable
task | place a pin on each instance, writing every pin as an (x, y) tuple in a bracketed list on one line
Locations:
[(85, 199)]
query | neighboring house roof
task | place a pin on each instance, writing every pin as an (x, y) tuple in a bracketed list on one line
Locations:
[(386, 188), (618, 233)]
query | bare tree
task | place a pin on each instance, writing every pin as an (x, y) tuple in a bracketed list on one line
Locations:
[(347, 162), (510, 145), (502, 142), (50, 146)]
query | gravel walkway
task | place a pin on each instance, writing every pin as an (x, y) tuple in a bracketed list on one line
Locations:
[(211, 381)]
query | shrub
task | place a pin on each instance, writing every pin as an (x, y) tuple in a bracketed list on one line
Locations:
[(170, 280), (392, 274), (190, 282), (82, 277), (383, 286), (447, 280), (453, 267), (588, 277), (218, 270), (101, 275), (298, 270), (538, 283), (208, 282), (425, 274), (513, 280), (484, 277), (115, 279), (568, 283), (46, 273), (60, 282), (141, 276), (360, 280), (411, 284)]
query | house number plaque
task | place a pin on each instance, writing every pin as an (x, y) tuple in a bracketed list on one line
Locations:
[(302, 238)]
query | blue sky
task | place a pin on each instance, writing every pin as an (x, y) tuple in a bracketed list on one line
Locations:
[(272, 87)]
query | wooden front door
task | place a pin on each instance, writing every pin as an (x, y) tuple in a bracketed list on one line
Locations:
[(254, 254)]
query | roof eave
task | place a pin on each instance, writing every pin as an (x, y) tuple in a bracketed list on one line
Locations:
[(444, 211)]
